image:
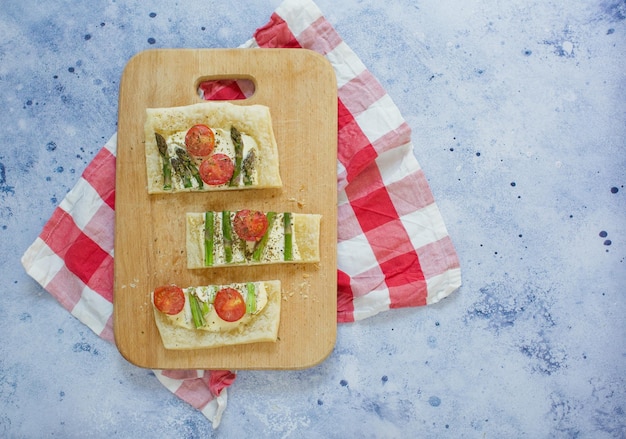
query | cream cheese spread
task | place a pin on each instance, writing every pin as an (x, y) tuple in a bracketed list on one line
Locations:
[(212, 322), (223, 145), (241, 250)]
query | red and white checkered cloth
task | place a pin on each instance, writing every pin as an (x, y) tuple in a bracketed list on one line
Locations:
[(393, 247)]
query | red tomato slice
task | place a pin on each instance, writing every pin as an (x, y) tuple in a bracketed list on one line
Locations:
[(229, 304), (250, 225), (169, 299), (216, 169), (200, 140)]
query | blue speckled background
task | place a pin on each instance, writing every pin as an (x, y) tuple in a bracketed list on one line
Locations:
[(518, 113)]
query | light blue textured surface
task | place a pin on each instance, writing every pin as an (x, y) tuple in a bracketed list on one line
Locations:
[(518, 113)]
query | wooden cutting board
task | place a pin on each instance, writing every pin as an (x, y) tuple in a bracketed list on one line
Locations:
[(300, 88)]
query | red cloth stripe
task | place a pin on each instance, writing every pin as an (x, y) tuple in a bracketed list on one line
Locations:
[(97, 227), (375, 210), (227, 90), (320, 36), (361, 92), (219, 379), (408, 294), (347, 224), (82, 255), (402, 269), (344, 117), (389, 240), (276, 33), (59, 231), (438, 257), (369, 180), (107, 333), (101, 280), (85, 259), (195, 392), (394, 138), (411, 193), (66, 288), (98, 175), (399, 263), (181, 374), (360, 161), (345, 304), (354, 151), (366, 281)]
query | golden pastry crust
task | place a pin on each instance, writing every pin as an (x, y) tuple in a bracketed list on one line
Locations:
[(262, 328), (252, 120)]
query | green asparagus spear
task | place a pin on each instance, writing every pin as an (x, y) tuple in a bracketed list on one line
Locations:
[(205, 308), (191, 170), (260, 246), (251, 298), (228, 237), (236, 136), (248, 167), (179, 168), (196, 312), (167, 169), (288, 236), (208, 238)]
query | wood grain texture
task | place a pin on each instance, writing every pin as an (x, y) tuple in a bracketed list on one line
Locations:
[(299, 86)]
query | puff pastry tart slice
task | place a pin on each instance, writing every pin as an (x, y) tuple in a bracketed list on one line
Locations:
[(211, 316), (210, 146), (247, 237)]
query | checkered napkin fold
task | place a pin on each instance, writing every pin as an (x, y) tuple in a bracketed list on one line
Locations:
[(393, 247)]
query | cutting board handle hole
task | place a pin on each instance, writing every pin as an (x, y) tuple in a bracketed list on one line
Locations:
[(226, 89)]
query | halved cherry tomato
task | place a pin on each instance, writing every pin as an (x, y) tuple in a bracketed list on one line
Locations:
[(250, 225), (200, 140), (169, 299), (216, 169), (229, 304)]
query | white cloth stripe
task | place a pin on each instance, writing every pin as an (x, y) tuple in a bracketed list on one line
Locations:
[(171, 384), (342, 175), (93, 310), (85, 195), (307, 13), (355, 255), (250, 44), (111, 144), (215, 408), (424, 226), (379, 118), (443, 285), (342, 198), (346, 63), (41, 262), (371, 304), (396, 163)]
